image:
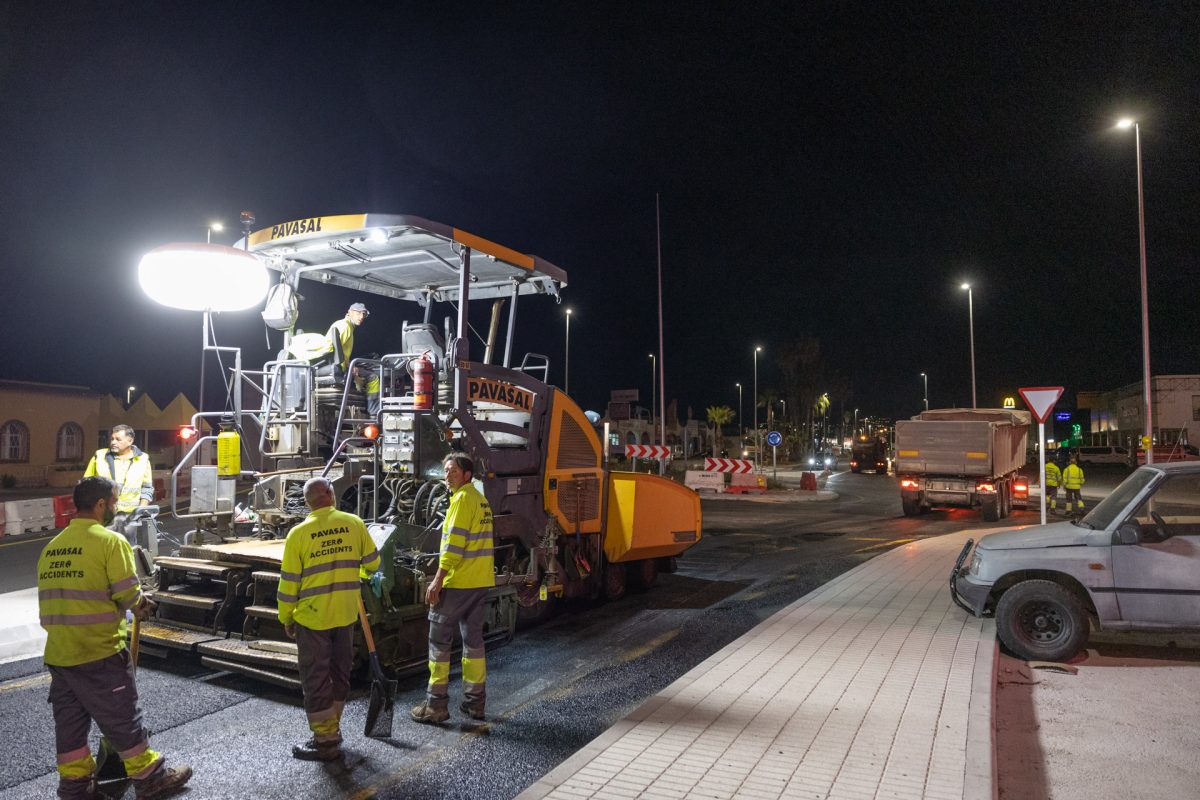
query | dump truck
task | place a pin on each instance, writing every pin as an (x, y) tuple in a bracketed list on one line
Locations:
[(962, 457), (869, 452), (564, 526)]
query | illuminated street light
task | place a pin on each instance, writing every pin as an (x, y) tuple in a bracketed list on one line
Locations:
[(653, 386), (757, 449), (971, 317), (129, 395), (214, 226), (926, 379), (1147, 397), (741, 419), (567, 360)]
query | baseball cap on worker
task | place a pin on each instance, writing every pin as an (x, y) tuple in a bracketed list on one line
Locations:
[(362, 308)]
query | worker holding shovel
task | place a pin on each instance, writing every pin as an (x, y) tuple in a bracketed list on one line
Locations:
[(318, 602), (86, 583)]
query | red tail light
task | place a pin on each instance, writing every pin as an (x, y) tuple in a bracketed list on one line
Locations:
[(187, 433), (909, 483), (853, 463), (370, 431), (1021, 489)]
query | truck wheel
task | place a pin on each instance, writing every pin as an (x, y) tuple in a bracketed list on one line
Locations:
[(644, 574), (911, 504), (1005, 492), (991, 508), (614, 581), (1041, 621)]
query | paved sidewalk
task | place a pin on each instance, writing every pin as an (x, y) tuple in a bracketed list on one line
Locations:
[(21, 635), (874, 686)]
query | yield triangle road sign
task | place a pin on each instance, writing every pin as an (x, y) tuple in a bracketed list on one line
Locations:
[(1041, 400)]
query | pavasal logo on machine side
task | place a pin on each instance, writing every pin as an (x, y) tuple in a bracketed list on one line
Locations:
[(310, 225), (492, 391)]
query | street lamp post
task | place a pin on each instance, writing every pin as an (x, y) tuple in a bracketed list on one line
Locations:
[(926, 379), (214, 226), (754, 402), (129, 395), (1147, 396), (653, 387), (971, 318), (741, 419), (854, 432), (567, 359)]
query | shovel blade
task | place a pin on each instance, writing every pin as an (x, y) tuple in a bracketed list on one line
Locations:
[(381, 709), (109, 766)]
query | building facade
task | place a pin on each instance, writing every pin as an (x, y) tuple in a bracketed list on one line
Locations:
[(1117, 416)]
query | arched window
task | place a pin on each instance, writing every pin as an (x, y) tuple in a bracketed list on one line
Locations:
[(14, 441), (645, 438), (69, 445), (631, 438)]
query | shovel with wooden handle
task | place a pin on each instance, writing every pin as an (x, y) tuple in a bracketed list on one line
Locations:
[(382, 707)]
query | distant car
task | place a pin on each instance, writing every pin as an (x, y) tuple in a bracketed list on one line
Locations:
[(1103, 454), (1131, 563), (822, 459)]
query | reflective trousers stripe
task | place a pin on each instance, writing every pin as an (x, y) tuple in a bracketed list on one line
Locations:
[(142, 766), (79, 767)]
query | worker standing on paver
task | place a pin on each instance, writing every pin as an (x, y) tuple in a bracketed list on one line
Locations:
[(466, 572), (86, 583), (341, 338), (1073, 480), (318, 598), (1053, 479), (129, 468)]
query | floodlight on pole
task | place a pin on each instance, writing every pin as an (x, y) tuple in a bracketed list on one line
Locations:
[(1147, 395), (971, 323), (203, 277)]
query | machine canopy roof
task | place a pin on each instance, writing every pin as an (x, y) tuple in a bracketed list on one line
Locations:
[(401, 257)]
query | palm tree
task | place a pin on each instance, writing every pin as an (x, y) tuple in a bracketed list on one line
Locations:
[(718, 416)]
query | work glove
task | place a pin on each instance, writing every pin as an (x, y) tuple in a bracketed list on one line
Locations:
[(145, 609)]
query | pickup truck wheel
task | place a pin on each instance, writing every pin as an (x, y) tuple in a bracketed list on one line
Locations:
[(991, 508), (910, 504), (1041, 621)]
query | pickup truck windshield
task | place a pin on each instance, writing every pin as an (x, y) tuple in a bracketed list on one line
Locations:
[(1100, 517)]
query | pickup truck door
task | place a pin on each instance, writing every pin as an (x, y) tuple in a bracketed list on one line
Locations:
[(1158, 579)]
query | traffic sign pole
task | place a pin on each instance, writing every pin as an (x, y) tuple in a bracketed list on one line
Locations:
[(1041, 400), (1042, 465)]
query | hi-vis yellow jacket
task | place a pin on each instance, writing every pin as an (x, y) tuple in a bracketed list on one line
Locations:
[(1053, 474), (1073, 477), (341, 341), (466, 552), (322, 557), (86, 582), (134, 477)]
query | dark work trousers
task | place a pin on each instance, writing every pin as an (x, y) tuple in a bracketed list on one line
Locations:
[(103, 691), (325, 659), (462, 608)]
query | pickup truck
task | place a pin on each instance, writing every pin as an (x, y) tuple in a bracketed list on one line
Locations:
[(1133, 563)]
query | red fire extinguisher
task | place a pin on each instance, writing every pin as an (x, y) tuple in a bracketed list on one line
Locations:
[(422, 372)]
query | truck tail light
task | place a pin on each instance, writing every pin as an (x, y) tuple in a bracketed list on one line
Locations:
[(1021, 489), (853, 463), (985, 487), (909, 483)]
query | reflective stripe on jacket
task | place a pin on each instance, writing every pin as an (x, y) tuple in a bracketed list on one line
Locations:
[(86, 582), (134, 477), (341, 341), (1073, 477), (1053, 474), (322, 560), (466, 551)]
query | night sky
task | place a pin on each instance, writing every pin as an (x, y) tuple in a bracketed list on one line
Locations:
[(826, 170)]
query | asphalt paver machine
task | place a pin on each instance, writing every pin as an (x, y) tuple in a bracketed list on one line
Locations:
[(564, 525)]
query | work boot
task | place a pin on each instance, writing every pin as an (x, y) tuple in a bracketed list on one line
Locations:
[(77, 789), (427, 713), (472, 710), (164, 783), (312, 750)]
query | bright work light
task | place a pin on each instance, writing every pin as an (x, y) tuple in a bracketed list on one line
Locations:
[(203, 277)]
